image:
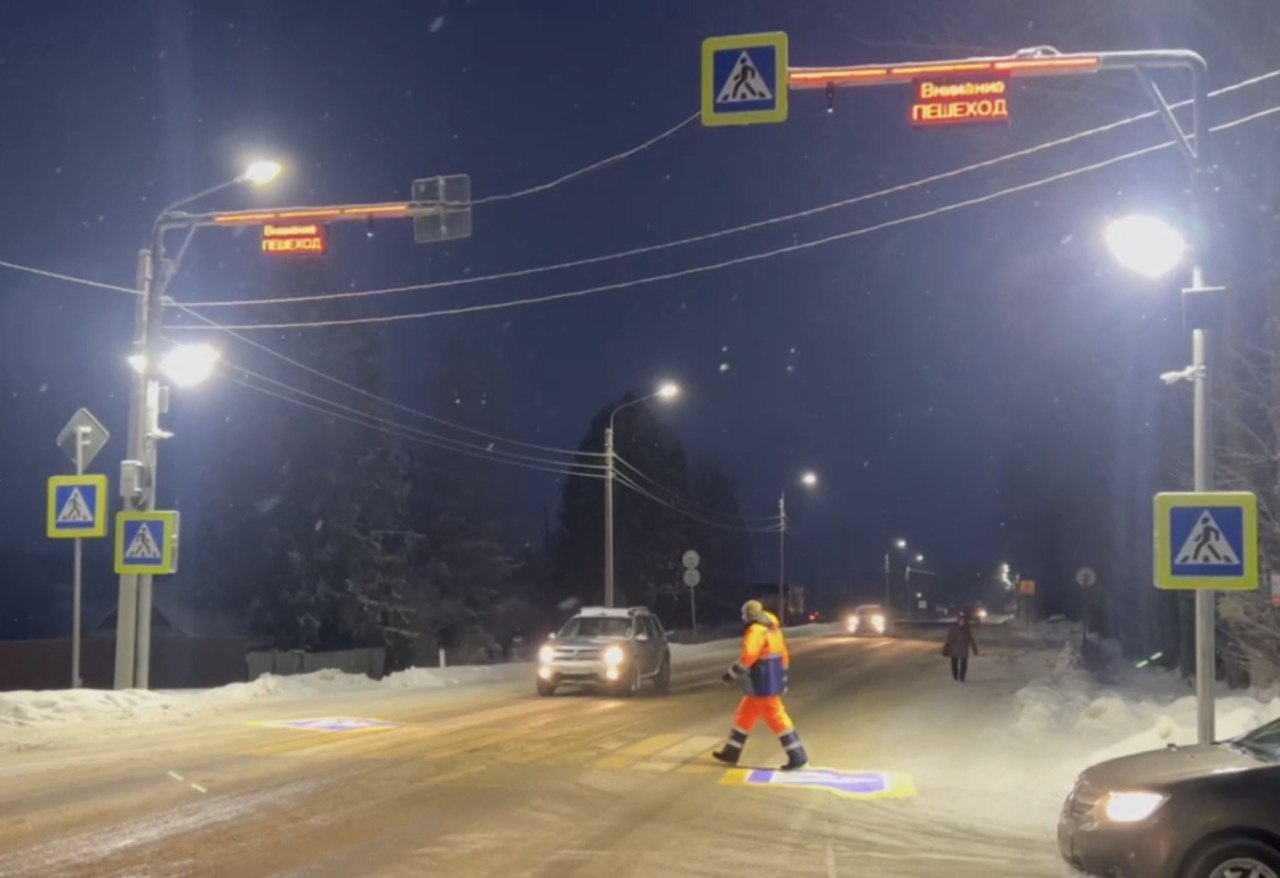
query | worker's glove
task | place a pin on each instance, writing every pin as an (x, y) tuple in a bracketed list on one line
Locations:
[(726, 677)]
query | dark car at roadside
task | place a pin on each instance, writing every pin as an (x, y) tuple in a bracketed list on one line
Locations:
[(1206, 811)]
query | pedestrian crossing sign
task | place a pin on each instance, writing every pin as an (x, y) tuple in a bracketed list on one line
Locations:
[(77, 507), (147, 542), (744, 79), (1207, 541)]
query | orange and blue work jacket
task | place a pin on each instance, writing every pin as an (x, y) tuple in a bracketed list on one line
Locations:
[(764, 659)]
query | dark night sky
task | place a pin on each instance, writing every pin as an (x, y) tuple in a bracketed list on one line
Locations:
[(886, 363)]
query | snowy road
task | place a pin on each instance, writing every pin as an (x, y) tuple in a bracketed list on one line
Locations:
[(492, 781)]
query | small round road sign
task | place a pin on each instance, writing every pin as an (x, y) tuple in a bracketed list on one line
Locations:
[(690, 559), (692, 578), (1086, 578)]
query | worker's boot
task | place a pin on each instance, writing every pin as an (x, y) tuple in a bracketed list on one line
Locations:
[(797, 758), (732, 749)]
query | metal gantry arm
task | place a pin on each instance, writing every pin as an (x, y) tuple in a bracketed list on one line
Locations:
[(1202, 303)]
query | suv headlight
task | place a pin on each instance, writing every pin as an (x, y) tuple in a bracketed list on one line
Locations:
[(614, 656), (1128, 807), (546, 655), (852, 623), (878, 622)]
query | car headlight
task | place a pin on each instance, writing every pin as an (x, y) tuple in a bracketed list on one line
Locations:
[(614, 656), (852, 623), (546, 655), (878, 622), (1128, 807)]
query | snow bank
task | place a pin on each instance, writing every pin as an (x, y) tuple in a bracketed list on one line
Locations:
[(64, 709), (79, 707), (1044, 717)]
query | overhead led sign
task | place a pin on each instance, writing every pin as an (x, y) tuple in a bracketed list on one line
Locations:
[(299, 239), (950, 101)]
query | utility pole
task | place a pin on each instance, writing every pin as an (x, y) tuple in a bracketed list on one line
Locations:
[(608, 515), (782, 558)]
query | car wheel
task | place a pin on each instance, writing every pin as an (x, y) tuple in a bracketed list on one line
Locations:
[(546, 687), (662, 682), (631, 685), (1235, 858)]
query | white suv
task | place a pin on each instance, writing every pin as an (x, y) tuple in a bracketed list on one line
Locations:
[(609, 649)]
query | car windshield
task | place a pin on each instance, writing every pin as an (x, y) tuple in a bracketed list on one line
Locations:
[(588, 626), (1264, 741)]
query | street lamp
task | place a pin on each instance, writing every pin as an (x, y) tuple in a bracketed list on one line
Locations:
[(808, 479), (1153, 248), (1147, 245), (182, 366), (919, 559), (262, 172), (666, 391), (185, 365)]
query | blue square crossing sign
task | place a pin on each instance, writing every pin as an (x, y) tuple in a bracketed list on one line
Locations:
[(77, 507), (146, 542), (1207, 541), (744, 79)]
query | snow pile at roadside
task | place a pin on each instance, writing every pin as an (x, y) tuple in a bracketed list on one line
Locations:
[(1139, 710), (70, 707), (1011, 741), (66, 709)]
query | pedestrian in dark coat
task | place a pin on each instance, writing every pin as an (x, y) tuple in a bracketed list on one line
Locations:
[(959, 643)]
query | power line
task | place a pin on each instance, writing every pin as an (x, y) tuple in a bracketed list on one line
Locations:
[(589, 169), (66, 277), (402, 433), (373, 396), (624, 480), (708, 236), (428, 437), (740, 260), (677, 497)]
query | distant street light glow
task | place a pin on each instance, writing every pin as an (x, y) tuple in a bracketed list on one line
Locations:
[(668, 390), (901, 544), (809, 479), (262, 172), (919, 559), (1145, 244)]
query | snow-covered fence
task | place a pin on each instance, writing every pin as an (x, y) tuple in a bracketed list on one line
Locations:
[(370, 662)]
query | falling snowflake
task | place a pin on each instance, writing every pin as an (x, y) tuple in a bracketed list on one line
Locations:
[(724, 367), (436, 24)]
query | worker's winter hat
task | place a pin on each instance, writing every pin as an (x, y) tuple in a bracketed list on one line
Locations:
[(753, 611)]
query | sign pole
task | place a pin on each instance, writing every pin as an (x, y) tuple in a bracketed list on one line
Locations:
[(77, 572), (693, 611), (1206, 665)]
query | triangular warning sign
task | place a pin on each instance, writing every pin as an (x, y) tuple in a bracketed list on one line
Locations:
[(143, 546), (1206, 544), (744, 83), (75, 510)]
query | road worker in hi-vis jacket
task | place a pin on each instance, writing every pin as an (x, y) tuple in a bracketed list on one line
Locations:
[(764, 662)]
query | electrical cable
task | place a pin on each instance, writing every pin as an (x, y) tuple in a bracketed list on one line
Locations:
[(677, 497), (589, 169), (426, 436), (651, 248), (740, 260), (405, 435), (212, 324), (69, 278), (624, 480)]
